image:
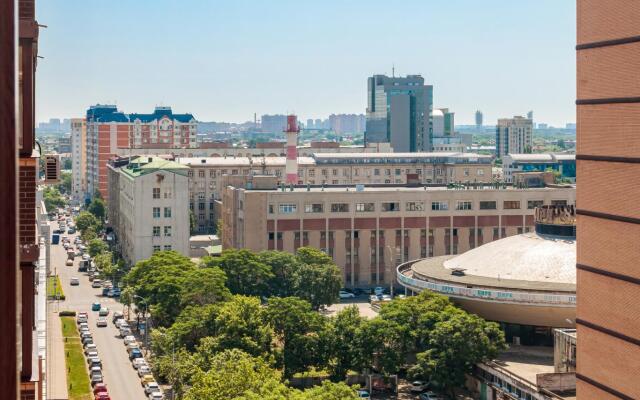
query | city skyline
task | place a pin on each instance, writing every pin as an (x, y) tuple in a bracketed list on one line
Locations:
[(325, 65)]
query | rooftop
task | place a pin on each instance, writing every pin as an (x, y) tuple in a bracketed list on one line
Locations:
[(144, 165), (385, 188), (242, 161), (546, 157)]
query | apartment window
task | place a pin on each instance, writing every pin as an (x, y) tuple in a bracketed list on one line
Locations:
[(167, 247), (211, 217), (211, 205), (334, 172), (305, 236), (191, 206), (156, 212), (156, 231), (465, 171), (331, 235), (201, 217), (464, 205), (334, 182), (201, 206), (439, 205), (398, 171), (376, 172), (234, 172), (201, 196), (340, 207), (415, 206), (423, 252), (190, 173), (423, 233), (270, 208), (312, 172), (356, 172), (167, 231), (365, 207), (287, 208), (390, 206), (201, 173), (323, 235), (496, 233), (156, 193), (488, 205), (156, 248), (558, 202), (167, 194), (324, 172), (511, 205), (296, 236), (212, 174), (314, 208), (531, 204), (167, 212), (480, 172)]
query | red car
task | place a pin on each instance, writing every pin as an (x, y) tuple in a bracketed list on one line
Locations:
[(103, 396), (99, 388)]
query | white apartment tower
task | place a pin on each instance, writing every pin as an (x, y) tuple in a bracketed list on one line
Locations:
[(78, 159), (514, 135)]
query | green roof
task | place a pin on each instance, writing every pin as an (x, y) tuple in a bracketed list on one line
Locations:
[(143, 165)]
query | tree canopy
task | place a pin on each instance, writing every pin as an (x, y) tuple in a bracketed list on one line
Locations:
[(97, 208)]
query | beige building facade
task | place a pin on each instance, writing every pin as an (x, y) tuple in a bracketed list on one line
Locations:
[(78, 159), (149, 207), (514, 135), (369, 232), (207, 173)]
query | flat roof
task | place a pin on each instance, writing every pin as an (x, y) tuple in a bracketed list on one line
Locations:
[(241, 161), (369, 188)]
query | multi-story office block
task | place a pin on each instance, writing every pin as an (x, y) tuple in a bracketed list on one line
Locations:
[(399, 112), (608, 155), (478, 119), (514, 135), (347, 123), (149, 207), (78, 159), (273, 123), (370, 230), (109, 130), (207, 173)]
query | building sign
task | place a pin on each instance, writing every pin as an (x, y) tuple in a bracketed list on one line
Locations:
[(555, 215)]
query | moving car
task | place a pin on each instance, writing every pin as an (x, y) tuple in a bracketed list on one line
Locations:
[(69, 262), (103, 396), (101, 322), (346, 295), (104, 311), (419, 386), (95, 306), (74, 281)]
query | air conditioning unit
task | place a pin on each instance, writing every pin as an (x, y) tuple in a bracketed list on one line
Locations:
[(52, 169)]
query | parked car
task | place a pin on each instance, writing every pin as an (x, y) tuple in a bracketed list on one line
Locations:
[(378, 291), (136, 353), (81, 317), (144, 370), (131, 346), (156, 396), (74, 281), (419, 386), (96, 284), (373, 298), (129, 339), (71, 230), (363, 394), (94, 362), (95, 306), (69, 262), (85, 256), (89, 348), (114, 292), (121, 323), (125, 331), (96, 378), (431, 396), (146, 379), (346, 295), (101, 322), (116, 316), (100, 387), (104, 311), (151, 387), (103, 396), (86, 341)]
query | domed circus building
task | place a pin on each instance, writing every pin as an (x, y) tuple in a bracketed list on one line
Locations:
[(526, 282)]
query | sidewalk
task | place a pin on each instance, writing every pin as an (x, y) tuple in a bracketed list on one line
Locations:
[(56, 368)]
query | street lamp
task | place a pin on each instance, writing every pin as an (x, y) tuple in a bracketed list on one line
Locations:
[(146, 325)]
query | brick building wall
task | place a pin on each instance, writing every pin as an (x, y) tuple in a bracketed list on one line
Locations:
[(608, 169)]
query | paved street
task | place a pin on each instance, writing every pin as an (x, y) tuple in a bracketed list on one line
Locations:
[(121, 378)]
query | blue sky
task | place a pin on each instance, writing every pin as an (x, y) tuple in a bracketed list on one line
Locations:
[(225, 60)]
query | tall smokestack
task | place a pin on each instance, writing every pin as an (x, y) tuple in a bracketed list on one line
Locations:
[(291, 168)]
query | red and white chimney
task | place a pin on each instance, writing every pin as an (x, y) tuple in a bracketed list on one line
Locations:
[(291, 168)]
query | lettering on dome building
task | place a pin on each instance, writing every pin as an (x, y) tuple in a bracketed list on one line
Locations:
[(555, 215)]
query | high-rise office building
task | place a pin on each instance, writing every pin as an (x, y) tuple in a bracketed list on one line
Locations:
[(399, 112), (479, 119), (608, 150), (443, 122), (273, 123), (530, 115), (347, 123), (514, 135)]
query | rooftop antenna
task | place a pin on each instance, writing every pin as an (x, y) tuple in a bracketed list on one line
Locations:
[(393, 70)]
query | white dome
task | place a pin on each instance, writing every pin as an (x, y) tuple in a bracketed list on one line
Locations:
[(526, 257)]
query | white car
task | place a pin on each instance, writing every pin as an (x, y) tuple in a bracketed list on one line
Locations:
[(138, 362), (74, 281), (90, 347), (96, 284), (125, 331), (121, 323), (129, 339), (156, 396), (92, 354), (343, 294), (144, 370), (151, 387), (101, 322), (419, 386)]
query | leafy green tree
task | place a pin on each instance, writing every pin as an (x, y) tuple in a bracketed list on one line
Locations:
[(327, 391), (380, 345), (246, 273), (65, 182), (192, 222), (86, 220), (455, 345), (343, 331), (52, 198), (89, 234), (284, 267), (97, 208), (67, 164), (204, 286), (177, 369), (97, 246), (234, 374), (190, 326), (296, 327), (319, 284), (310, 255)]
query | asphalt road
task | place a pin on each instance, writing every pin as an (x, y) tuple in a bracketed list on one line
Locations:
[(119, 375)]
